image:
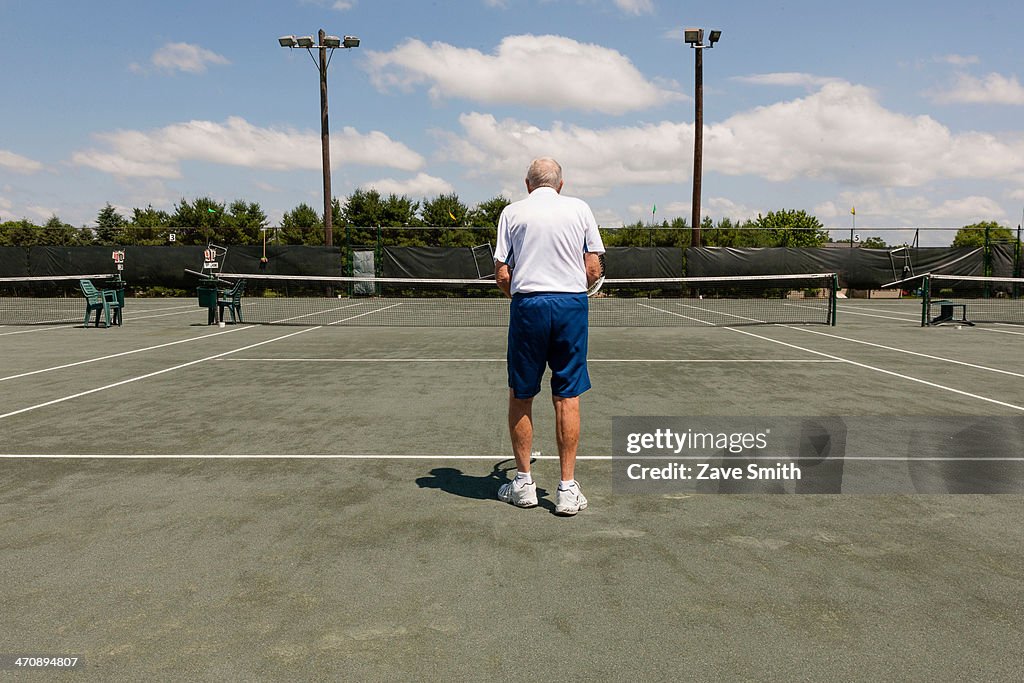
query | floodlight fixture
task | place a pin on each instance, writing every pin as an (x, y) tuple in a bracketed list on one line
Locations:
[(694, 37), (325, 45)]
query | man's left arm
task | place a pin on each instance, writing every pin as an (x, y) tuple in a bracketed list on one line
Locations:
[(592, 262), (593, 247)]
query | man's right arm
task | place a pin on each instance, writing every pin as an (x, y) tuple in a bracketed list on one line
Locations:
[(503, 276)]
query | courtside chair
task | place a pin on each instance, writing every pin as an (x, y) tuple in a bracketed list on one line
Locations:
[(232, 300), (105, 300)]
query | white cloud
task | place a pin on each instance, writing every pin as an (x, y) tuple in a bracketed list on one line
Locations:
[(716, 208), (422, 185), (43, 213), (236, 142), (992, 89), (1017, 194), (593, 160), (888, 207), (958, 60), (840, 134), (336, 5), (787, 78), (552, 72), (17, 163), (185, 57), (635, 6), (265, 187)]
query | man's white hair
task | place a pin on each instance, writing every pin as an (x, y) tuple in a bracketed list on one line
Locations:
[(544, 172)]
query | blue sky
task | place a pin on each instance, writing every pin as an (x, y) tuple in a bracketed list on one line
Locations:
[(913, 112)]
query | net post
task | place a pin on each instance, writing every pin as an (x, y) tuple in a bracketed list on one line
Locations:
[(1018, 271), (833, 296), (926, 289), (987, 261)]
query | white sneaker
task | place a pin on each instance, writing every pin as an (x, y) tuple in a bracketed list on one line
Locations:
[(570, 501), (524, 496)]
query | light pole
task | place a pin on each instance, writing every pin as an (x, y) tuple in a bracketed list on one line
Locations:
[(325, 43), (694, 37)]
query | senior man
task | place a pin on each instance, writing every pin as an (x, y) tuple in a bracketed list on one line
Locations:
[(547, 256)]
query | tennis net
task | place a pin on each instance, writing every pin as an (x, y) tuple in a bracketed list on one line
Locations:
[(47, 300), (642, 302), (952, 298)]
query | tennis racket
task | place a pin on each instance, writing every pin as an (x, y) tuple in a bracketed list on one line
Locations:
[(596, 287)]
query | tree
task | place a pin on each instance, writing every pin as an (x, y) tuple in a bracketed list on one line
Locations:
[(640, 234), (148, 225), (302, 225), (205, 217), (726, 234), (874, 243), (443, 211), (446, 211), (57, 232), (792, 228), (110, 226), (366, 210), (974, 235), (243, 224), (21, 233), (486, 214), (362, 209)]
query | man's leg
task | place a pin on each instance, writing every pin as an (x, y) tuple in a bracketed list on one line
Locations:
[(520, 427), (567, 433), (521, 491)]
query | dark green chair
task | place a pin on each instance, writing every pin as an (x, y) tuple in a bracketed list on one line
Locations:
[(231, 299), (105, 300)]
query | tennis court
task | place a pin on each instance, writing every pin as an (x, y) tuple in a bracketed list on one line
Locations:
[(261, 502)]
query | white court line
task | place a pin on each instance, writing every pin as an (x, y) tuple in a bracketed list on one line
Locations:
[(912, 353), (426, 456), (867, 367), (295, 456), (884, 372), (502, 360), (49, 328), (309, 315), (150, 374), (376, 310), (909, 318), (118, 355), (908, 312), (680, 315), (1000, 331)]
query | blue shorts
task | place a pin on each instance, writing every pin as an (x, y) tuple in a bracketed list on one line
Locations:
[(548, 329)]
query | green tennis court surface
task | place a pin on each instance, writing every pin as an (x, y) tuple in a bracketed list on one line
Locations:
[(371, 547)]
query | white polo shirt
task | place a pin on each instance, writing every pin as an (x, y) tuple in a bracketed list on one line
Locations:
[(543, 239)]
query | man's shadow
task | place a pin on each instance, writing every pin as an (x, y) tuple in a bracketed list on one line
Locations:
[(454, 481)]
